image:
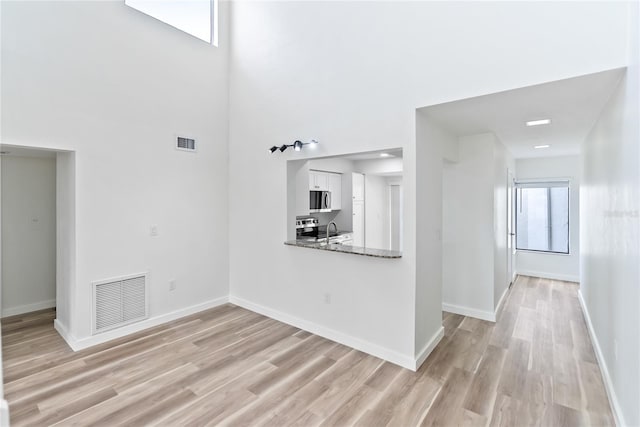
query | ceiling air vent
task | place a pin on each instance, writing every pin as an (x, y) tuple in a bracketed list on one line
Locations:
[(186, 144), (118, 302)]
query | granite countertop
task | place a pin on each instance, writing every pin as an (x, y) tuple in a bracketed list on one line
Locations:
[(347, 249)]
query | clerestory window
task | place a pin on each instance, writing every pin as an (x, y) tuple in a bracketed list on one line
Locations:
[(195, 17)]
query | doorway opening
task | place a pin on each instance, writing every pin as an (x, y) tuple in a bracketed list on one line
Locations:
[(37, 233), (395, 216)]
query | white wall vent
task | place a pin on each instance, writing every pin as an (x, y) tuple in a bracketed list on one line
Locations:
[(120, 301), (187, 144)]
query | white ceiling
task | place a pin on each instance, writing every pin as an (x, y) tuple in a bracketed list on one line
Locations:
[(14, 151), (371, 155), (572, 104)]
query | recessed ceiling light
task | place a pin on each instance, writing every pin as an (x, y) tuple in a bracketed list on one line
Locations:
[(541, 146), (385, 155), (538, 122)]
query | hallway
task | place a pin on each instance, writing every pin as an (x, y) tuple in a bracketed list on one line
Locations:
[(538, 368)]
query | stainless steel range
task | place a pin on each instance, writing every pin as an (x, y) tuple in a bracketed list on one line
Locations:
[(307, 227)]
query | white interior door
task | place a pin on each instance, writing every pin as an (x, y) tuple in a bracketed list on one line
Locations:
[(395, 217), (358, 223), (357, 186), (511, 253)]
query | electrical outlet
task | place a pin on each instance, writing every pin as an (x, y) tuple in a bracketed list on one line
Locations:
[(615, 349), (327, 298), (153, 230), (172, 285)]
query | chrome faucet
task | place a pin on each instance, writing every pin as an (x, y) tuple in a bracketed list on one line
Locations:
[(335, 226)]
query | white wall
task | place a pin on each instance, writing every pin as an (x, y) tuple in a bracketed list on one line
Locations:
[(503, 162), (28, 234), (467, 221), (610, 236), (431, 140), (475, 226), (351, 75), (116, 86), (65, 237), (349, 289), (554, 266)]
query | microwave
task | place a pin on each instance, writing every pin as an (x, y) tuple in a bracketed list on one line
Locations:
[(320, 201)]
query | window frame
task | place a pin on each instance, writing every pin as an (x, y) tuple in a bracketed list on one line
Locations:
[(547, 183)]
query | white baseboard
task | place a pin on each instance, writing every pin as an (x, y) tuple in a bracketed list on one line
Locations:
[(82, 343), (606, 378), (64, 332), (428, 348), (552, 276), (28, 308), (337, 336), (474, 312), (4, 413), (500, 302), (470, 312)]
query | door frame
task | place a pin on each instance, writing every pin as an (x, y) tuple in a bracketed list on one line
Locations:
[(511, 231), (65, 225)]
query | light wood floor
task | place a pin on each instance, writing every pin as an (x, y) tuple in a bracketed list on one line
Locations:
[(230, 366)]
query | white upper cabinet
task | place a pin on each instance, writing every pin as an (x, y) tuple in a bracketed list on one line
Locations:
[(318, 181), (327, 181)]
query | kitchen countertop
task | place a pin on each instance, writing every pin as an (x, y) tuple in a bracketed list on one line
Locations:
[(347, 249)]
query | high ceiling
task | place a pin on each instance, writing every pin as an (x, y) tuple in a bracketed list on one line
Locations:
[(573, 106)]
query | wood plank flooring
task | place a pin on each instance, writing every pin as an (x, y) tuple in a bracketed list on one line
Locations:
[(229, 366)]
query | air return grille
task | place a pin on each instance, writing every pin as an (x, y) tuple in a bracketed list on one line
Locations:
[(119, 302), (187, 144)]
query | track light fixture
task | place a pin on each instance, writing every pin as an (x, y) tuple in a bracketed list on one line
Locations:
[(297, 146)]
